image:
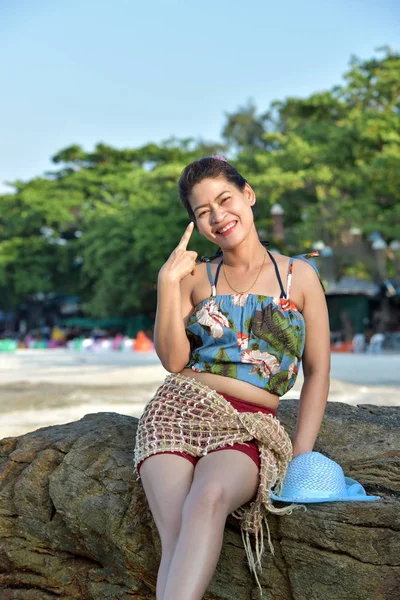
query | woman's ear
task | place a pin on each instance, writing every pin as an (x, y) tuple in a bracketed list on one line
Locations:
[(250, 194)]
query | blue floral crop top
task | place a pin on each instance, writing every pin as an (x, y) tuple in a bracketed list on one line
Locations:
[(250, 337)]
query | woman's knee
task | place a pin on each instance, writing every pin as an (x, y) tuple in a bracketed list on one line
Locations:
[(166, 480), (169, 538), (168, 526), (206, 498)]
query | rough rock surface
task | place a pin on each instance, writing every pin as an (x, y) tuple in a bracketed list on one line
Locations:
[(74, 523)]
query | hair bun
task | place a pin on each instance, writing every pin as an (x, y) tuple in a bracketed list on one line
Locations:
[(219, 157)]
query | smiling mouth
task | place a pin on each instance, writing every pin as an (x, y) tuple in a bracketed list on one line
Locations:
[(227, 228)]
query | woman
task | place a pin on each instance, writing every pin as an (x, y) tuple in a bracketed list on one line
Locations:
[(232, 329)]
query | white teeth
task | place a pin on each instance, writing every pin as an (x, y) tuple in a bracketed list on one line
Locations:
[(226, 228)]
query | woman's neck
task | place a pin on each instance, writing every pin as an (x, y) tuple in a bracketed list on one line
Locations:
[(245, 256)]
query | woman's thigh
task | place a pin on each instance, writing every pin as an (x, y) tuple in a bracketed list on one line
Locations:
[(166, 480), (228, 478)]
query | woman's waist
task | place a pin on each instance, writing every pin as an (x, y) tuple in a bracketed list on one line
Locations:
[(234, 387)]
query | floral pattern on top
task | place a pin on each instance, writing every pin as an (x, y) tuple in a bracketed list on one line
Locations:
[(210, 316), (250, 337), (292, 370), (242, 340), (285, 304), (264, 363), (239, 299)]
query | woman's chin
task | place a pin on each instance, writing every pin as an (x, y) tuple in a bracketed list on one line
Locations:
[(225, 241), (229, 241)]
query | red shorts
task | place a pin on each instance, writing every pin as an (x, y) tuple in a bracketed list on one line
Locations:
[(250, 448)]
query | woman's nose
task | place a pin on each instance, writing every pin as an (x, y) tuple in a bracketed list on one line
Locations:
[(217, 214)]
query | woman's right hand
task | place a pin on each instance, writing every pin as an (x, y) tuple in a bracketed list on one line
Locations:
[(181, 262)]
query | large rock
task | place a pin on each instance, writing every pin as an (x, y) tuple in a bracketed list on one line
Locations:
[(74, 523)]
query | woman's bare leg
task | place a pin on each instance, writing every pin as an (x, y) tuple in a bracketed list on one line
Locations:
[(222, 482), (166, 480)]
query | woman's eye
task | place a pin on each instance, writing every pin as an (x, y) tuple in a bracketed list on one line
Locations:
[(224, 199), (202, 214)]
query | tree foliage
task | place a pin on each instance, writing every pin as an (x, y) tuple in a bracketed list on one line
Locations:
[(333, 160), (103, 222)]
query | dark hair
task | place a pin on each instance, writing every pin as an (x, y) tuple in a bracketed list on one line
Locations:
[(209, 167)]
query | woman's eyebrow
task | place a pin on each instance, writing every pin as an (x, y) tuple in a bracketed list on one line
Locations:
[(203, 205)]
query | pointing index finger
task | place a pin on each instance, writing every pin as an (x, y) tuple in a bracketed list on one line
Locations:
[(186, 236)]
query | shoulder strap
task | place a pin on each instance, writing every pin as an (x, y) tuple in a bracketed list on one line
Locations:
[(305, 258), (214, 291), (213, 282), (283, 295), (210, 278), (289, 277)]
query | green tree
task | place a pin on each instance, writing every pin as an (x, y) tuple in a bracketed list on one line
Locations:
[(244, 129), (332, 160), (103, 222)]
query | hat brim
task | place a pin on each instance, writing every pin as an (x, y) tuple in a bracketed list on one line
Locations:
[(355, 493)]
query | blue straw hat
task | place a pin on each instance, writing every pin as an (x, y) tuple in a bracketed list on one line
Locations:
[(313, 477)]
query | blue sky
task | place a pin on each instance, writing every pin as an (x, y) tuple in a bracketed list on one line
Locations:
[(127, 73)]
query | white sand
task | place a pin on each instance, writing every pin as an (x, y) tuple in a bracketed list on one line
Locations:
[(47, 387)]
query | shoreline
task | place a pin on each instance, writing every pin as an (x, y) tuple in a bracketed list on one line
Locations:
[(40, 390)]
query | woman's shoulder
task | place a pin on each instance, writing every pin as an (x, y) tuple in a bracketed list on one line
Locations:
[(192, 283), (306, 262), (302, 268), (307, 257), (280, 259), (307, 269)]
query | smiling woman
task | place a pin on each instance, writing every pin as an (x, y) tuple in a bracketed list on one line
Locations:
[(232, 331), (208, 168)]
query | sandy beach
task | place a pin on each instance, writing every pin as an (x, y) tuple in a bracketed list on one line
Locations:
[(47, 387)]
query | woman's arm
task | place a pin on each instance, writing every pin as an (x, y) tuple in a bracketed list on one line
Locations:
[(316, 361), (173, 310), (174, 306)]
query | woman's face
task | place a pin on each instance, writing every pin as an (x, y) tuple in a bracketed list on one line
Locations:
[(223, 212)]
